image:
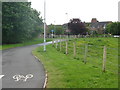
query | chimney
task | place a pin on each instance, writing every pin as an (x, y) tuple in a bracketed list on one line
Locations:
[(94, 20)]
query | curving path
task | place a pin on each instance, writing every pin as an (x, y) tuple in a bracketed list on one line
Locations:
[(20, 61)]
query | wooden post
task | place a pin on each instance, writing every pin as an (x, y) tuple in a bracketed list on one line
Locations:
[(104, 59), (60, 36), (66, 47), (53, 43), (67, 36), (75, 36), (60, 44), (86, 50), (56, 43), (74, 48)]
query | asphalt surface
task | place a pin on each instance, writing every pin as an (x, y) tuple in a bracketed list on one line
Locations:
[(20, 61)]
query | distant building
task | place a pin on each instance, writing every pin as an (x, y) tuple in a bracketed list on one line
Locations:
[(97, 26), (93, 26), (94, 20)]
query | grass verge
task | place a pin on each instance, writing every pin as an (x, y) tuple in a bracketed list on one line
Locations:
[(30, 42), (67, 71)]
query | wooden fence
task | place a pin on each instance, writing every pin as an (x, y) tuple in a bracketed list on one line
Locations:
[(58, 45)]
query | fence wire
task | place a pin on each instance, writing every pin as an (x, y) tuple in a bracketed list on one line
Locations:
[(93, 55)]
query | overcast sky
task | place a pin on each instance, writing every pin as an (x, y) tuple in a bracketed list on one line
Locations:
[(103, 10)]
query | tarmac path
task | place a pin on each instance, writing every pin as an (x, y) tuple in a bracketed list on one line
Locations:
[(22, 69)]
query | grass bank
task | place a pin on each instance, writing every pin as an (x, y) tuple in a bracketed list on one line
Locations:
[(30, 42), (67, 71)]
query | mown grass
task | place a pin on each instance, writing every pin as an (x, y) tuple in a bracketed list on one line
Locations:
[(67, 71), (30, 42)]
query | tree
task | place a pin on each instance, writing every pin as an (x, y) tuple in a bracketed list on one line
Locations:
[(58, 29), (76, 27), (113, 28), (19, 22), (50, 27)]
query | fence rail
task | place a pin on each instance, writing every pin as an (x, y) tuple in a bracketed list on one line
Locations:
[(86, 52), (78, 36)]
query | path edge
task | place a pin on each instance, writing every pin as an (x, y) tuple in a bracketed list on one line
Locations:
[(46, 75)]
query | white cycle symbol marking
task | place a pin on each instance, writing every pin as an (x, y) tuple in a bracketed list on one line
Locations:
[(22, 78)]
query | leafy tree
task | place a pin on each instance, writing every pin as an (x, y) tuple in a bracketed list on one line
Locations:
[(19, 22), (50, 27), (76, 27), (113, 28), (58, 29)]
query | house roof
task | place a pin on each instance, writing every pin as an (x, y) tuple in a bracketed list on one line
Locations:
[(100, 24)]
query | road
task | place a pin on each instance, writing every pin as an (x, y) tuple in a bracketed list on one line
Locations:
[(20, 61)]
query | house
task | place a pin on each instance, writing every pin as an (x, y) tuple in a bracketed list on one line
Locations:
[(97, 26)]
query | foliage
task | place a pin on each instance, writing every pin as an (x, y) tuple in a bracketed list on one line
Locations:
[(77, 27), (58, 29), (113, 28), (50, 27), (19, 22)]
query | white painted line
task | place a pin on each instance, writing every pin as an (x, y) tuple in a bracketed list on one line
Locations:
[(45, 83), (46, 76)]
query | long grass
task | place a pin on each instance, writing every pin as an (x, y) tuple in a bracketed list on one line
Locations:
[(67, 71)]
